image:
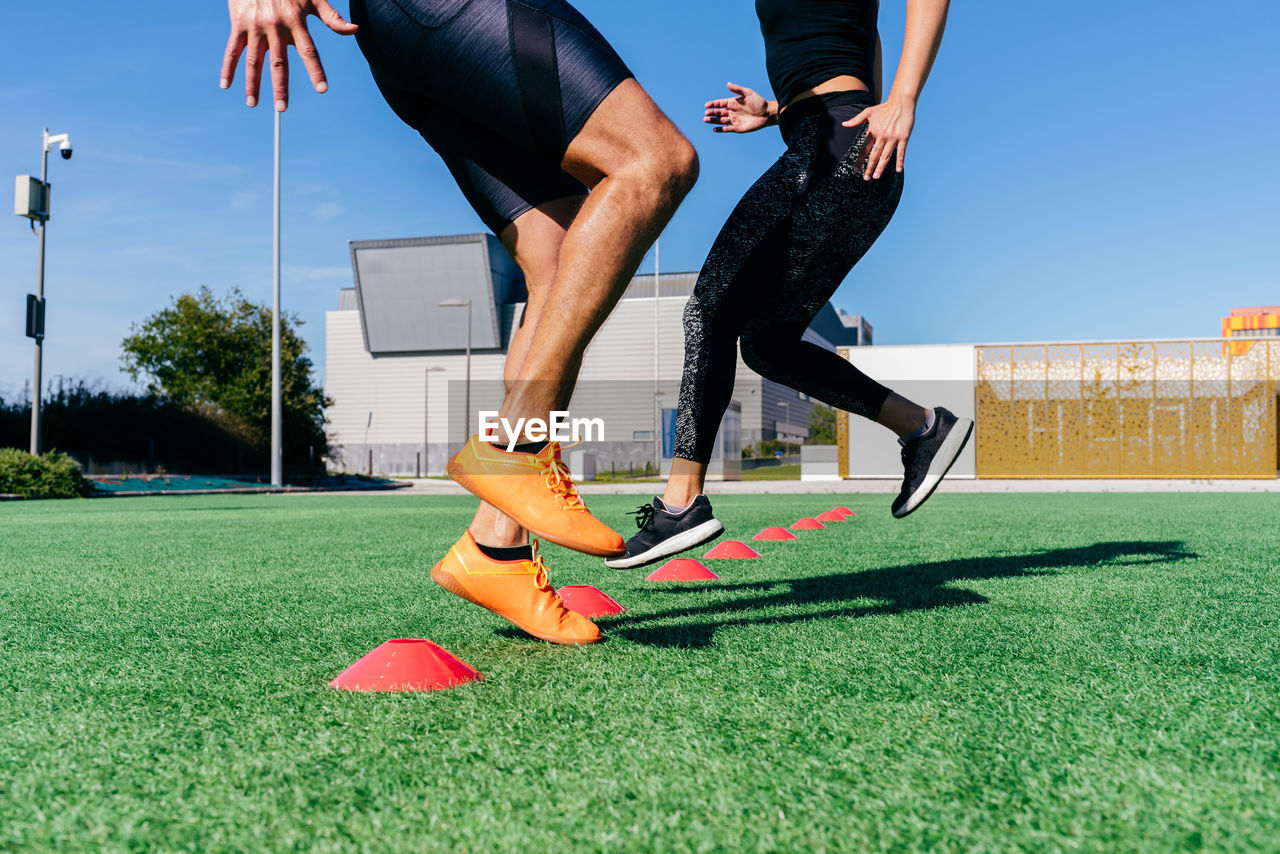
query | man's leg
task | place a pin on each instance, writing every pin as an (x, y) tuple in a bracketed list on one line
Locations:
[(534, 241), (492, 565), (640, 167)]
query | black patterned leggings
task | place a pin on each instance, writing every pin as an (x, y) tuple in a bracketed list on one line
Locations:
[(783, 252)]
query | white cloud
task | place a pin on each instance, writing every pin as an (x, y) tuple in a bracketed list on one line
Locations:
[(297, 273), (327, 211), (190, 169), (243, 200)]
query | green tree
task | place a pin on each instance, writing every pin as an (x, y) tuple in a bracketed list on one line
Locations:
[(822, 425), (214, 356)]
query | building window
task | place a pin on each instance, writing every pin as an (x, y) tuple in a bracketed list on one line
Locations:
[(642, 435)]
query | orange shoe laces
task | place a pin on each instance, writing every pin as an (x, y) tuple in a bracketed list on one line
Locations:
[(540, 579), (559, 481)]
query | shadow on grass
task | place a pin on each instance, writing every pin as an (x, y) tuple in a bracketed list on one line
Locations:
[(918, 587)]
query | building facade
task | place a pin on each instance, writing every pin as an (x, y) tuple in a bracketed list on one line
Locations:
[(1261, 321), (397, 364)]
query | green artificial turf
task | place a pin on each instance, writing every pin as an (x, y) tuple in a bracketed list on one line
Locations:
[(998, 672)]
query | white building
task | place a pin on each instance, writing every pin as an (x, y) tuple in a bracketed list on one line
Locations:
[(397, 365)]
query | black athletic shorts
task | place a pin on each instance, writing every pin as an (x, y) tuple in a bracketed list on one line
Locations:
[(497, 87)]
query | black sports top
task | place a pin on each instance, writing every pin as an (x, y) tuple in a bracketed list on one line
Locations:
[(809, 41)]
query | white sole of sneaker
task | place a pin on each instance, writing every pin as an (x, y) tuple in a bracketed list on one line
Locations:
[(684, 541), (941, 464)]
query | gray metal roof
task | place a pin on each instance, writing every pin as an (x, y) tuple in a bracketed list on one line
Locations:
[(400, 284)]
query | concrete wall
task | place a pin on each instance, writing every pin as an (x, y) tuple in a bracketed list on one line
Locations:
[(616, 384), (933, 375)]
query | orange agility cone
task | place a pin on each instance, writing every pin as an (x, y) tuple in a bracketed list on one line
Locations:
[(830, 516), (806, 524), (588, 601), (845, 511), (775, 534), (732, 550), (682, 569), (405, 664)]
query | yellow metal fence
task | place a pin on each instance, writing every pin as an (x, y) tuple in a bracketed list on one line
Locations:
[(1141, 409)]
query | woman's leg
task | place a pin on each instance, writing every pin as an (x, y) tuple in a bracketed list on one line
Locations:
[(832, 227), (736, 274)]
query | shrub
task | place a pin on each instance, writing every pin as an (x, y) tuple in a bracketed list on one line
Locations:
[(143, 431), (769, 448), (50, 475), (822, 425)]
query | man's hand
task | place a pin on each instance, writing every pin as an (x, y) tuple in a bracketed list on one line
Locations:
[(262, 26), (741, 114), (888, 129)]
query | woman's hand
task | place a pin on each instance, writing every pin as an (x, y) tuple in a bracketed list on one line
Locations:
[(273, 25), (888, 129), (744, 113)]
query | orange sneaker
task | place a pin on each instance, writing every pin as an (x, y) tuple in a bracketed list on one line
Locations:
[(536, 491), (516, 590)]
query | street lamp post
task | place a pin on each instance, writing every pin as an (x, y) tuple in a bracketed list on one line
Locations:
[(32, 202), (657, 349), (426, 409), (464, 303), (277, 407)]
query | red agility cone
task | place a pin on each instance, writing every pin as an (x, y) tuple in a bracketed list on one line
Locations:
[(682, 569), (846, 512), (775, 534), (732, 550), (830, 516), (588, 601), (806, 524), (405, 664)]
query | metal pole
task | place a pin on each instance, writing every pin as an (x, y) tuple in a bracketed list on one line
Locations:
[(657, 349), (468, 394), (44, 224), (426, 423), (277, 451)]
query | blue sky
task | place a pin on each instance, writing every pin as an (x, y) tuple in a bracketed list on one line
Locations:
[(1084, 170)]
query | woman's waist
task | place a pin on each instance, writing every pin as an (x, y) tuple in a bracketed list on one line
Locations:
[(834, 85), (845, 103)]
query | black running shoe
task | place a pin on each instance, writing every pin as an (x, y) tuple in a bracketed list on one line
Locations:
[(928, 458), (663, 533)]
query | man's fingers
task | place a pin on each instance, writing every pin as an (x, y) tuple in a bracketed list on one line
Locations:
[(740, 91), (333, 20), (902, 154), (235, 45), (310, 57), (255, 48), (279, 69)]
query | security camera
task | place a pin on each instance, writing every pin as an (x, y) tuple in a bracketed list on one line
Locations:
[(62, 140)]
